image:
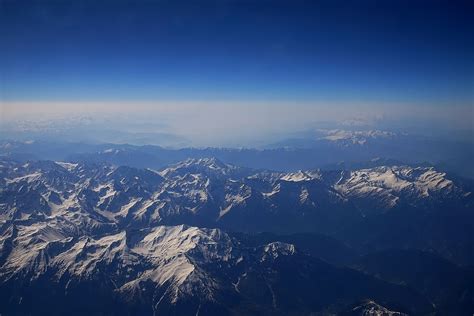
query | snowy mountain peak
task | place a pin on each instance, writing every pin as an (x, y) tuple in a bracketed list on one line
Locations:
[(275, 249), (389, 185), (373, 309), (300, 176), (354, 137), (208, 166), (208, 162)]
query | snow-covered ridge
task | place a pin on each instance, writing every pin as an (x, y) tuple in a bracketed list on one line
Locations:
[(354, 137), (373, 309), (390, 184), (300, 176), (276, 249), (211, 166), (173, 257), (208, 190), (67, 165)]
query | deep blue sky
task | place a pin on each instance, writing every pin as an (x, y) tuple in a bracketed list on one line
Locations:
[(402, 51)]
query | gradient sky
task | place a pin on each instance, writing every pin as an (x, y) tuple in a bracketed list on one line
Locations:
[(412, 55), (115, 50)]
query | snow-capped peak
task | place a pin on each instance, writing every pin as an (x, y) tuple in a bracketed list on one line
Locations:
[(275, 249), (211, 166), (390, 184), (354, 137), (300, 176)]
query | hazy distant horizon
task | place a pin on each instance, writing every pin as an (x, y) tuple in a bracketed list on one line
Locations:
[(236, 73), (226, 124)]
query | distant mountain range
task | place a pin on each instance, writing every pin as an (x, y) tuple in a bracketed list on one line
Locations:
[(92, 237), (325, 149)]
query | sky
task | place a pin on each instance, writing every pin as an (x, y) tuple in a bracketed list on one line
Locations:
[(290, 63)]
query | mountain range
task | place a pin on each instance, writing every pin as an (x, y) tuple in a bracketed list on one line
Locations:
[(325, 149), (206, 237)]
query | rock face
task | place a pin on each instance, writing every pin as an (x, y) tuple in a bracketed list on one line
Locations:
[(94, 238)]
